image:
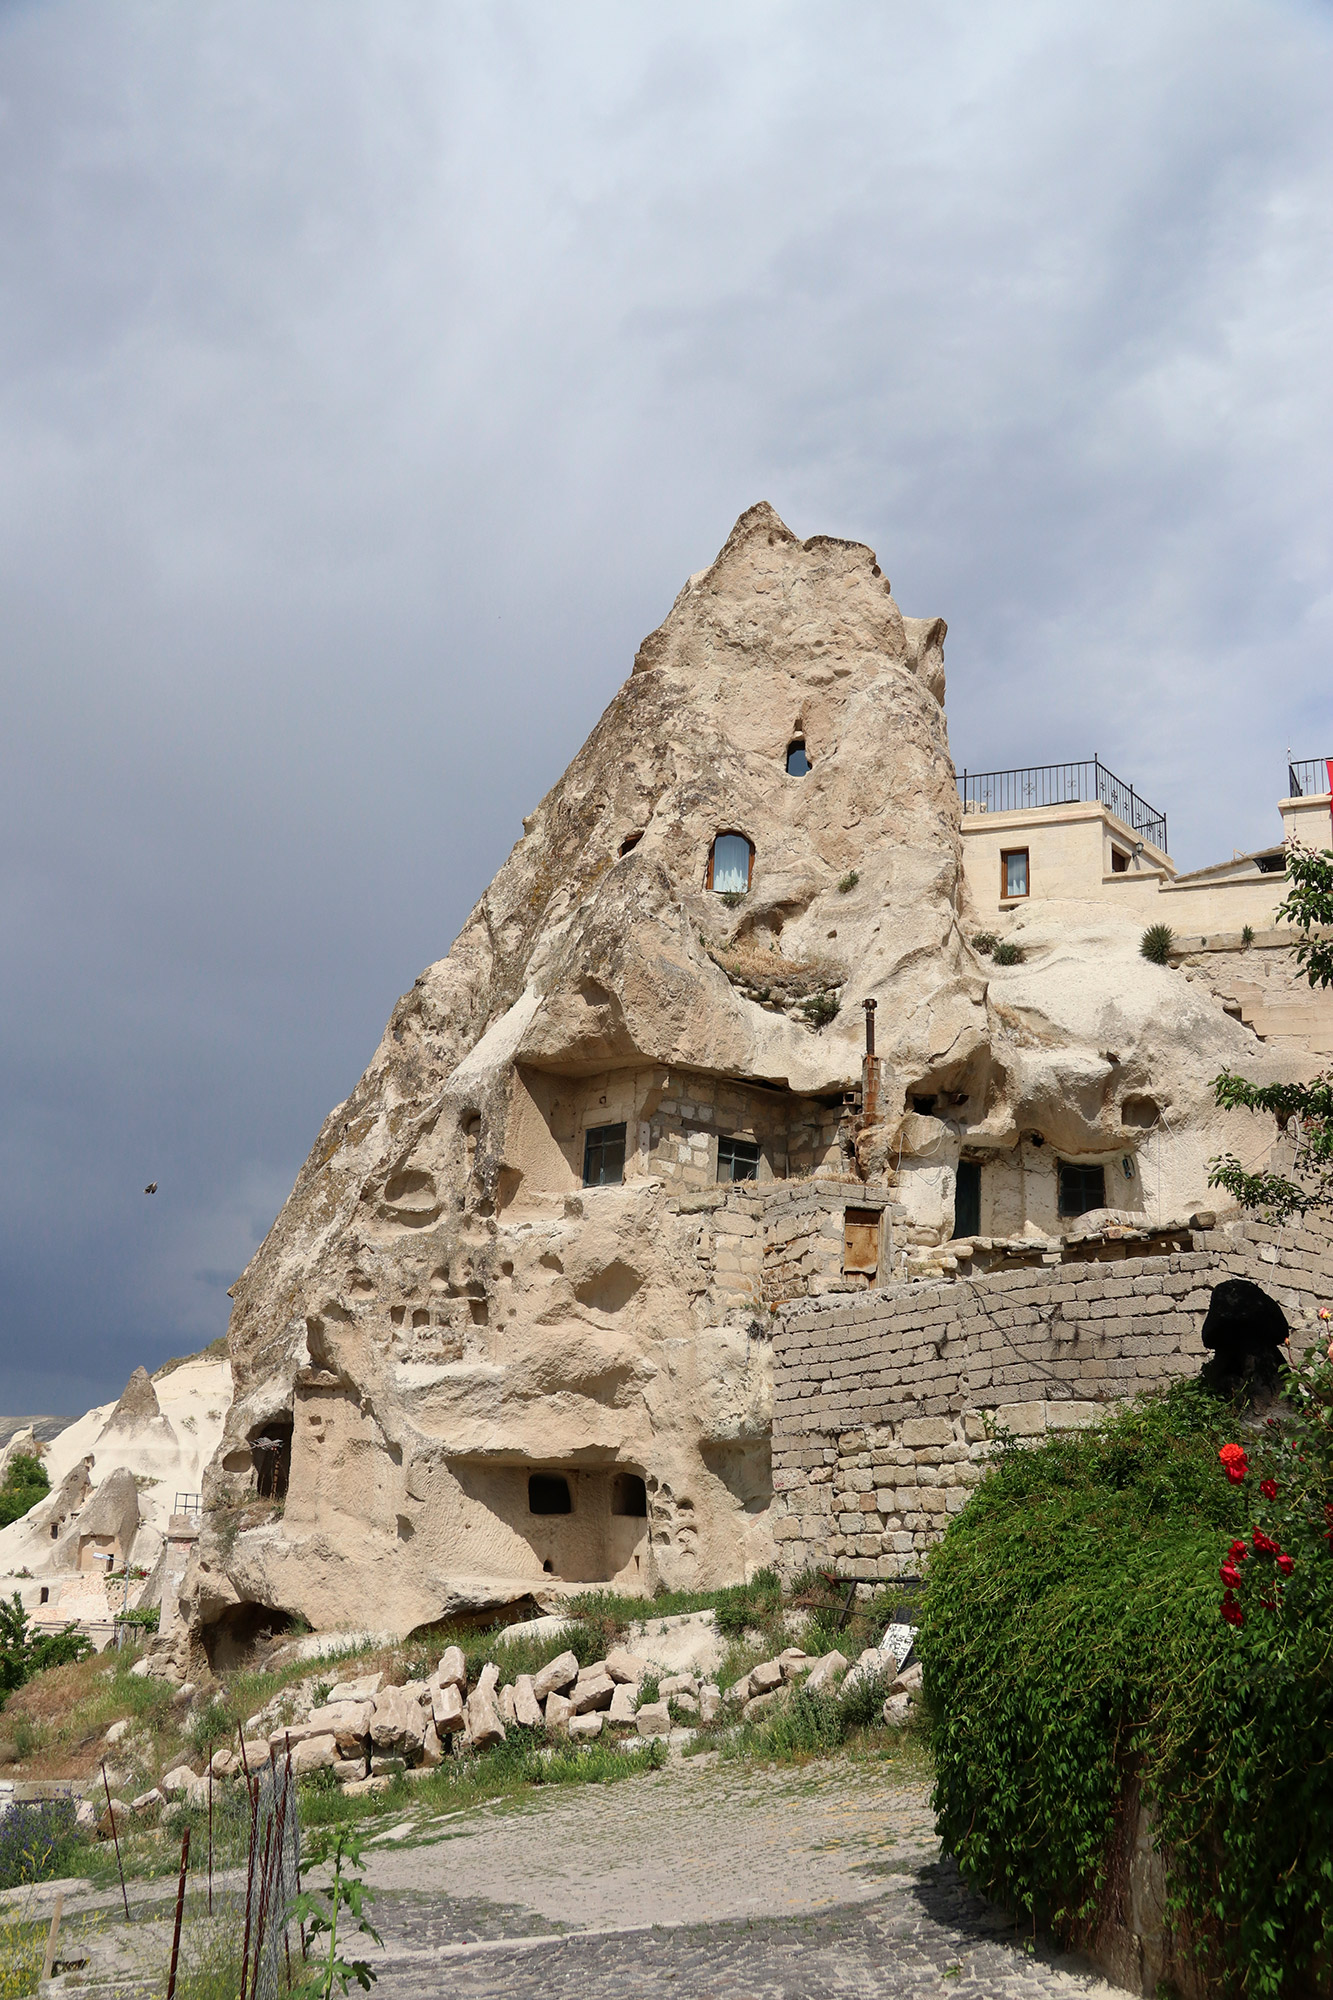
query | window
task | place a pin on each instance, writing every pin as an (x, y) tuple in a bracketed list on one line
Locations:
[(45, 1595), (967, 1199), (1272, 864), (604, 1156), (1119, 861), (860, 1240), (1014, 871), (629, 1495), (548, 1493), (797, 761), (1081, 1188), (924, 1106), (730, 865), (737, 1160)]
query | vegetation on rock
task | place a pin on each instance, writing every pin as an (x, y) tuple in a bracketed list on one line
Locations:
[(25, 1484), (1156, 943), (1306, 1107), (1076, 1665)]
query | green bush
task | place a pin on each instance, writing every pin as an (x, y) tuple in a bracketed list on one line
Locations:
[(1156, 943), (985, 942), (1073, 1652), (22, 1655), (847, 882), (26, 1483), (1007, 952)]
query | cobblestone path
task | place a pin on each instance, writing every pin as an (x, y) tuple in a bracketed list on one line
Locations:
[(701, 1883)]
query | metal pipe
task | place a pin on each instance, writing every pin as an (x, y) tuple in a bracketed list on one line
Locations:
[(180, 1912), (111, 1815), (869, 1006)]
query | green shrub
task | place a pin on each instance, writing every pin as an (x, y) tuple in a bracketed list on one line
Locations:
[(1156, 943), (821, 1008), (848, 882), (22, 1655), (1073, 1651), (26, 1483), (1007, 952), (985, 942), (1247, 934)]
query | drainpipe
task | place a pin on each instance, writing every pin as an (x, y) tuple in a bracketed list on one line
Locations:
[(870, 1072)]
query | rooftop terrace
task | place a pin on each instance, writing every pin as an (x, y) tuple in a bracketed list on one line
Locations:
[(1064, 784)]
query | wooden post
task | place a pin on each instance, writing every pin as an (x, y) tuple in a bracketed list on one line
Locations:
[(49, 1962)]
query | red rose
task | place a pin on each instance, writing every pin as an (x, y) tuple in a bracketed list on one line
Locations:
[(1268, 1487), (1238, 1552), (1265, 1542), (1231, 1611), (1236, 1473), (1234, 1454), (1286, 1565), (1230, 1576)]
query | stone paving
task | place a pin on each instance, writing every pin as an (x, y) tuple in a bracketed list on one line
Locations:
[(705, 1882)]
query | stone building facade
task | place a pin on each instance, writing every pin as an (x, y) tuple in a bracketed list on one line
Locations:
[(884, 1406)]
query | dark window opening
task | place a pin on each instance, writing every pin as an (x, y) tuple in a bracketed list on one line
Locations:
[(924, 1105), (45, 1596), (548, 1567), (55, 1530), (1119, 861), (797, 761), (1081, 1188), (1014, 872), (629, 1495), (737, 1160), (967, 1199), (730, 864), (548, 1493), (631, 840), (271, 1456), (604, 1156), (860, 1240)]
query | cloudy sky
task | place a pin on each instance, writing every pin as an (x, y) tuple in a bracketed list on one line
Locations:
[(371, 376)]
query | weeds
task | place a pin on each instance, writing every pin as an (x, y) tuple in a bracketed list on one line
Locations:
[(1156, 943), (848, 882)]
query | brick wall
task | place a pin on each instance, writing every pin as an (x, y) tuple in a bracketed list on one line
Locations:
[(880, 1399)]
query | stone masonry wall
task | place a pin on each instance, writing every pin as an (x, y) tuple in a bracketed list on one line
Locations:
[(880, 1400)]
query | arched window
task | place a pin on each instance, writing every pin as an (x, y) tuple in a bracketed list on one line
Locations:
[(797, 761), (730, 865)]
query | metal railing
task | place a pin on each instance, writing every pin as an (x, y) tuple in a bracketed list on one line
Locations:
[(1307, 779), (188, 1503), (1059, 785)]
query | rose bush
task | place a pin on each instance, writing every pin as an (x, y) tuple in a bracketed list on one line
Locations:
[(1076, 1663)]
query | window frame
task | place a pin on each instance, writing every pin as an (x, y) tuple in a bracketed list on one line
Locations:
[(1119, 860), (798, 743), (731, 833), (599, 1133), (731, 1140), (1008, 854), (1081, 1167)]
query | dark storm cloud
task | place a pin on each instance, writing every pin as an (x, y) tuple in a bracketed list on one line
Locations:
[(371, 378)]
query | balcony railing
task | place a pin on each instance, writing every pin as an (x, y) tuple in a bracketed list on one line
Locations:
[(1308, 779), (1059, 785)]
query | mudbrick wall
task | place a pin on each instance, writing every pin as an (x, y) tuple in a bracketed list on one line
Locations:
[(881, 1400)]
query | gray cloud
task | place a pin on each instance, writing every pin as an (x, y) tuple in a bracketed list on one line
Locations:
[(370, 379)]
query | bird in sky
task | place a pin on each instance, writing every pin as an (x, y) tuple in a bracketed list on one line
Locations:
[(151, 1188)]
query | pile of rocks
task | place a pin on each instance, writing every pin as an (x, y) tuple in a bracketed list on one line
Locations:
[(363, 1731)]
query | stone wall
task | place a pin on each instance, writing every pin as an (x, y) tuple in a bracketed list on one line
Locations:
[(881, 1402)]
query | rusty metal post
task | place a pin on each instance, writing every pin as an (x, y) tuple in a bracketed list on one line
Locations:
[(111, 1815), (253, 1789), (210, 1835), (869, 1006), (180, 1912)]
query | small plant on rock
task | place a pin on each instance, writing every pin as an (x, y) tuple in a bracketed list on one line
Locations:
[(985, 942), (848, 882), (1007, 952), (1247, 934), (1156, 943)]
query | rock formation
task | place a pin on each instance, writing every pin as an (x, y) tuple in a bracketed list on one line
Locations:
[(509, 1332)]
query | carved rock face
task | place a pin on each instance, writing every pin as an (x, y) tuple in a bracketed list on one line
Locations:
[(526, 1249)]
